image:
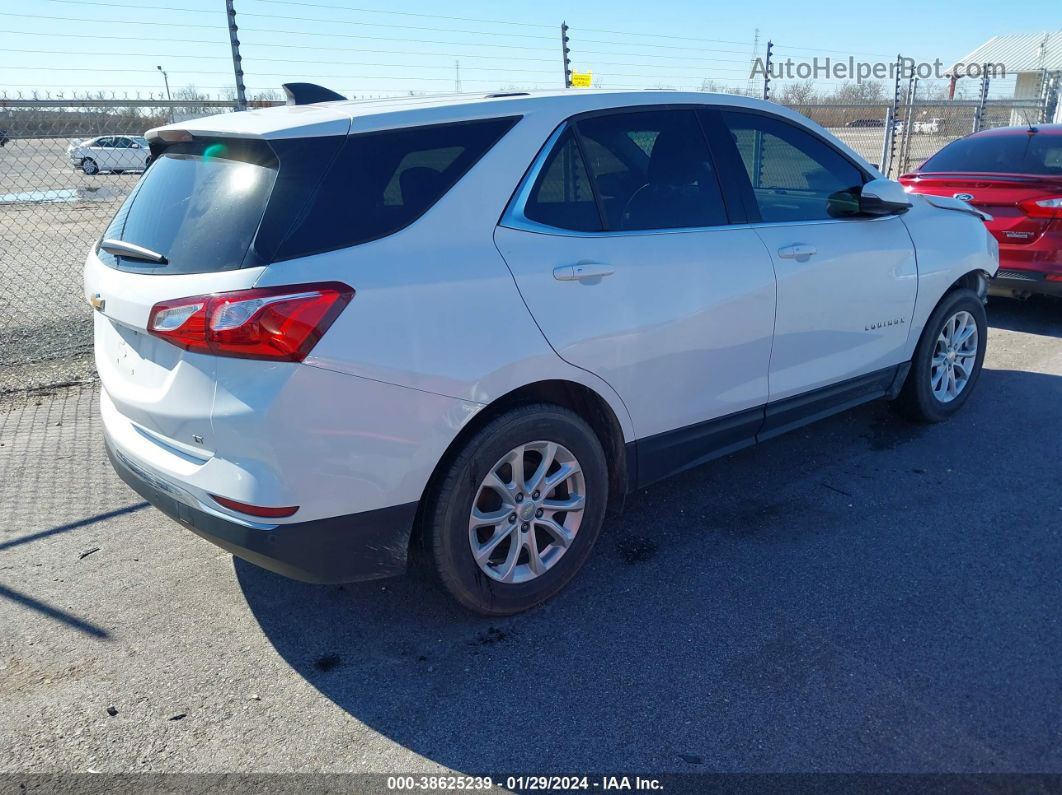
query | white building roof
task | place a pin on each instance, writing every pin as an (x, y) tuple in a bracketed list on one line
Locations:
[(1021, 52)]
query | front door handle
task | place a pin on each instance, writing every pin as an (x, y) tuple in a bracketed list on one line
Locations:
[(798, 251), (582, 271)]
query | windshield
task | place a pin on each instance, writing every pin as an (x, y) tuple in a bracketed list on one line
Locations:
[(199, 205), (1034, 153)]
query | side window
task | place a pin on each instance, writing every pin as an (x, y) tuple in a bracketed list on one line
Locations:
[(417, 169), (104, 143), (122, 143), (652, 170), (379, 183), (794, 175), (562, 196)]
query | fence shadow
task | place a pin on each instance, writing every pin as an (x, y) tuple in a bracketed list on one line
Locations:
[(774, 613)]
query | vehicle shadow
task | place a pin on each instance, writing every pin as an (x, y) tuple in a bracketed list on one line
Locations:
[(864, 594), (1040, 314)]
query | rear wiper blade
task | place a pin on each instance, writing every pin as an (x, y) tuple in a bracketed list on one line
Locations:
[(120, 248)]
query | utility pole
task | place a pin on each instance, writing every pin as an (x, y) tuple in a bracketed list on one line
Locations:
[(565, 55), (979, 114), (750, 87), (767, 70), (166, 80), (237, 61)]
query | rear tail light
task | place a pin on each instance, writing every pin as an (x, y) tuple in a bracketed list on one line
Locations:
[(280, 323), (1047, 207), (254, 510)]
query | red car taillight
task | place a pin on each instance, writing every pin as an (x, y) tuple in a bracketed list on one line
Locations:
[(1045, 207), (280, 323)]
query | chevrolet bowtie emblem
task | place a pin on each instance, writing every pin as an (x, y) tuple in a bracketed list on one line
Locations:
[(98, 302)]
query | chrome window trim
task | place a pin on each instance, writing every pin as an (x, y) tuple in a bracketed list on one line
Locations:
[(514, 218)]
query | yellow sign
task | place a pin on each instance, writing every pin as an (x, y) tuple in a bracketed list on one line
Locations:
[(582, 79)]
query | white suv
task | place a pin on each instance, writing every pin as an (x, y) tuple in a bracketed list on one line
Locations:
[(334, 338)]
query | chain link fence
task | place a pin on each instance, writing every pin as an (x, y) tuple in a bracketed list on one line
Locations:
[(66, 166)]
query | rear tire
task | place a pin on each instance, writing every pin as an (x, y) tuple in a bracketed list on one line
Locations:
[(497, 506), (88, 165), (947, 361)]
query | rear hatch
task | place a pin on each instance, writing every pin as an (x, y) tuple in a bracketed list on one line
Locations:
[(205, 218), (1013, 175)]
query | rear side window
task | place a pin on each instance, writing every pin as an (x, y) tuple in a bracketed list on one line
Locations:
[(562, 196), (1001, 154), (381, 182)]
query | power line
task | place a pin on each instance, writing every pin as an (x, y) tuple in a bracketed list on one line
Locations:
[(111, 21), (408, 14), (290, 18), (490, 21), (157, 54), (314, 47)]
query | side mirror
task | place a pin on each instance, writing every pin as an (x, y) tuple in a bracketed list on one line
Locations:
[(136, 146), (883, 197)]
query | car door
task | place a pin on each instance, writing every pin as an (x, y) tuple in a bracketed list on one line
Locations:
[(126, 157), (103, 152), (621, 244), (846, 284)]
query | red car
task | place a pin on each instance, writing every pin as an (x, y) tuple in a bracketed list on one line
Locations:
[(1015, 175)]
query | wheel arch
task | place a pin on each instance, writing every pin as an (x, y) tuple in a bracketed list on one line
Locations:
[(578, 398), (976, 280)]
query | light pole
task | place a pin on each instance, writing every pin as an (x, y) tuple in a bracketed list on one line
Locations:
[(166, 80)]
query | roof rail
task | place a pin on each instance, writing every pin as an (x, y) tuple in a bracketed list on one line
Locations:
[(309, 93), (507, 94)]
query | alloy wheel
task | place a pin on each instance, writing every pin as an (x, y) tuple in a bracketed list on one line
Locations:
[(954, 356), (527, 512)]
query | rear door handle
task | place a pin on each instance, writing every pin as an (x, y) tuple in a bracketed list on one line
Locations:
[(798, 251), (582, 271)]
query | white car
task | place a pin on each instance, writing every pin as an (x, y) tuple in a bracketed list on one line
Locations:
[(336, 338), (929, 126), (115, 153)]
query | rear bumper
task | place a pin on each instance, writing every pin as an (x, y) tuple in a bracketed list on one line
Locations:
[(360, 546)]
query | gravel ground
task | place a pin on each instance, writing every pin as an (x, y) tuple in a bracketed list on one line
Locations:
[(50, 214), (862, 595)]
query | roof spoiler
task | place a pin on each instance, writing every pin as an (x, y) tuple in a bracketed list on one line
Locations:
[(309, 93)]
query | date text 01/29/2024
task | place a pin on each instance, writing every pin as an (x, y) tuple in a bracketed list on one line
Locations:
[(521, 783)]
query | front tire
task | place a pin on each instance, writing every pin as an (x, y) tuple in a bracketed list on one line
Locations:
[(518, 510), (88, 165), (947, 361)]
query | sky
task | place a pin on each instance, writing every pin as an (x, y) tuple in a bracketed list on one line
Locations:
[(373, 48)]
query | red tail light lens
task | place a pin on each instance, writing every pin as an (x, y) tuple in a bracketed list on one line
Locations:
[(280, 323), (254, 510), (1045, 207)]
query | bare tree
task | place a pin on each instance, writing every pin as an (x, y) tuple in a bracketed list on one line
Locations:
[(799, 93)]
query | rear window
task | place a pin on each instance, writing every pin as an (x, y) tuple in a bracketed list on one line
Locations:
[(1035, 153), (199, 205), (221, 204)]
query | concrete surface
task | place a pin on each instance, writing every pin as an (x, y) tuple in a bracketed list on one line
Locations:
[(861, 595)]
